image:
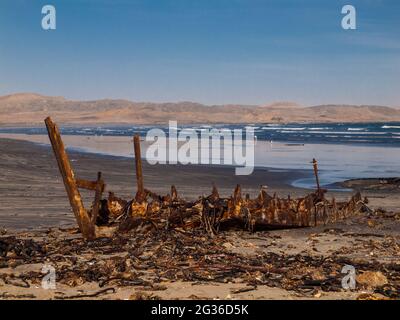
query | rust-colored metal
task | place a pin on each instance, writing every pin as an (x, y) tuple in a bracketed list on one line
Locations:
[(212, 213), (138, 164), (82, 217)]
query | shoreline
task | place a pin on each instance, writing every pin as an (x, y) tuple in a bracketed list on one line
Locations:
[(337, 162), (34, 195), (187, 123)]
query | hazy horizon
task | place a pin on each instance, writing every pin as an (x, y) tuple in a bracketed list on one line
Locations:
[(266, 104)]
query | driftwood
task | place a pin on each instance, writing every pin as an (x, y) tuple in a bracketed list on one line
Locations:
[(138, 166), (86, 219)]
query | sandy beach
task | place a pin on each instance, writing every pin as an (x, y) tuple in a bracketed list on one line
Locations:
[(30, 178), (200, 150), (34, 195), (33, 207)]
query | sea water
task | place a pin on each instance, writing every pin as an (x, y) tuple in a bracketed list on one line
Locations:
[(343, 150)]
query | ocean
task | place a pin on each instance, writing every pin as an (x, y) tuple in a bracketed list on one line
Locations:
[(381, 134)]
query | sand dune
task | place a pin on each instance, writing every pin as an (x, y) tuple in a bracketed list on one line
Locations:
[(31, 109)]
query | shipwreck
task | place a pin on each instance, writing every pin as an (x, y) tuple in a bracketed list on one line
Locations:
[(209, 213)]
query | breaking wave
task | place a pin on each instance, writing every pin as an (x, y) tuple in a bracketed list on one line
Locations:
[(337, 133)]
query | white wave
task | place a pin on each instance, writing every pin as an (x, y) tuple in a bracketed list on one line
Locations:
[(272, 128), (390, 127), (295, 129), (358, 140), (355, 129), (346, 132)]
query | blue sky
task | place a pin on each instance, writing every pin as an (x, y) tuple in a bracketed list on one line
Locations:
[(209, 51)]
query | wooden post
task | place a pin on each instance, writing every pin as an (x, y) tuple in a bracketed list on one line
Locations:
[(315, 165), (97, 198), (138, 165), (83, 219)]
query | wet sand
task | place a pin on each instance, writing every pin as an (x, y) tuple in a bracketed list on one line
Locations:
[(337, 162), (33, 193)]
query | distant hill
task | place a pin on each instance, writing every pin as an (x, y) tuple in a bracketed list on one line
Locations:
[(31, 109)]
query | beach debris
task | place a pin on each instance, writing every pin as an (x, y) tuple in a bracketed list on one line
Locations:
[(371, 279), (87, 295), (150, 262), (110, 209), (211, 214), (11, 247), (390, 291), (6, 295)]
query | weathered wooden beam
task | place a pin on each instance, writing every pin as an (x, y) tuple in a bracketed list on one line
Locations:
[(138, 164), (315, 166), (83, 219), (97, 198), (88, 185)]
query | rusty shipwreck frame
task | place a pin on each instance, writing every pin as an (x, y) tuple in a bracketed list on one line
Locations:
[(211, 213)]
